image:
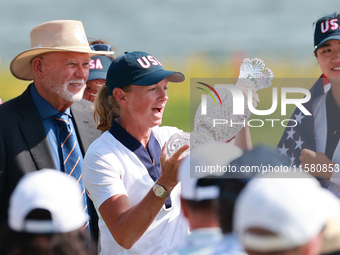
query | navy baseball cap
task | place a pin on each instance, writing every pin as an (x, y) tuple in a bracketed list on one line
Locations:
[(138, 68), (98, 67), (260, 155), (253, 161), (256, 158), (326, 28)]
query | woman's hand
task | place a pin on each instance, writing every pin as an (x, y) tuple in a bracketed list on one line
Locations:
[(127, 224), (314, 160), (169, 168)]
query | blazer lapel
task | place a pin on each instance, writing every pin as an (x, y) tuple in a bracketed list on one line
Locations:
[(87, 132), (34, 133)]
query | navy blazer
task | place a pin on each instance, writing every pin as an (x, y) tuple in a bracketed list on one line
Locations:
[(24, 146)]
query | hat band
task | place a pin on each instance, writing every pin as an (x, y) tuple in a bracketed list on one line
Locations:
[(267, 243), (67, 47), (207, 193), (39, 226)]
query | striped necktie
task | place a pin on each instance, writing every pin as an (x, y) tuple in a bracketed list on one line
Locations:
[(72, 156)]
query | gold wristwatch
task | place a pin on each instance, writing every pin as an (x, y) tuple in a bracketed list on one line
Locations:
[(160, 191)]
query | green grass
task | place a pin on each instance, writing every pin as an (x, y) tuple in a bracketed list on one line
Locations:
[(177, 111)]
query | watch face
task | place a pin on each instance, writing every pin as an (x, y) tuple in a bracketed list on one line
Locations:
[(159, 191)]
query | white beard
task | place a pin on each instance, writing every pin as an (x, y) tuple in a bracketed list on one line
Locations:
[(62, 91)]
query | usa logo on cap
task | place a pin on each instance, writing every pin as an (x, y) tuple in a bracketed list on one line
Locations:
[(138, 68), (326, 28), (98, 67), (146, 62), (96, 63)]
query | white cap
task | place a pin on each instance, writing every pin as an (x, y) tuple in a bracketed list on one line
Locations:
[(50, 190), (331, 236), (295, 210), (211, 154)]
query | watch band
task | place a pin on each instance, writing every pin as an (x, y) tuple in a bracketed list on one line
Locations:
[(160, 191)]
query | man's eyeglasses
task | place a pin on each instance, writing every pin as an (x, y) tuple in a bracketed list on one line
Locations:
[(101, 47)]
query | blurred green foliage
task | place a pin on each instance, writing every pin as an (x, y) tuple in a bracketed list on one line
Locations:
[(10, 87)]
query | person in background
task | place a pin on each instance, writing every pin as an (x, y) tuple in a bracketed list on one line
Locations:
[(199, 194), (275, 215), (314, 142), (231, 183), (230, 188), (42, 221), (48, 126), (99, 65)]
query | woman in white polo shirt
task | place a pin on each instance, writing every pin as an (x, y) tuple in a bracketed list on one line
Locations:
[(126, 172)]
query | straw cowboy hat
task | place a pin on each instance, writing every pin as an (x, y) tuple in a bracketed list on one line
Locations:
[(52, 36)]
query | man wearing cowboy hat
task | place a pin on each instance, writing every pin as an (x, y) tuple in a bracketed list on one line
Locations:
[(58, 64)]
